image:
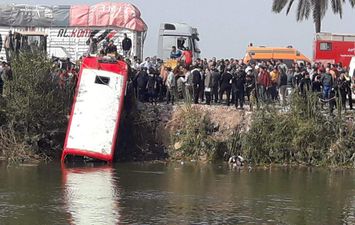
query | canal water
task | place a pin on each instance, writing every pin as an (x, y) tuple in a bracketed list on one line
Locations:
[(158, 193)]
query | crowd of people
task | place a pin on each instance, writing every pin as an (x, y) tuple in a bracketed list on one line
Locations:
[(223, 81), (233, 82), (108, 46)]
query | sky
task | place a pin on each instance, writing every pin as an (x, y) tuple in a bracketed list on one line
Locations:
[(227, 26)]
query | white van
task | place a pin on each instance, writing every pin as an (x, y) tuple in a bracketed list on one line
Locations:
[(181, 35)]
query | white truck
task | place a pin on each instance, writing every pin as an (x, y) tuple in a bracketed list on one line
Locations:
[(180, 35), (67, 29)]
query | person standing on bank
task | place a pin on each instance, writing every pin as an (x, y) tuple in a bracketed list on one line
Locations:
[(208, 86), (196, 83), (9, 45), (226, 85), (170, 84), (238, 88), (126, 46), (216, 76)]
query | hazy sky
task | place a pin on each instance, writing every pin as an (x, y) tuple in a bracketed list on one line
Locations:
[(227, 26)]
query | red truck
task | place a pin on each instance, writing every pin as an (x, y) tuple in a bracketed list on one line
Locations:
[(334, 48)]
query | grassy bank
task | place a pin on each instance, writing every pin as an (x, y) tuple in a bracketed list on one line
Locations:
[(33, 124), (302, 135), (34, 109)]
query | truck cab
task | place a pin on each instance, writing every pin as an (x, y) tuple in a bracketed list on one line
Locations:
[(29, 41), (181, 35)]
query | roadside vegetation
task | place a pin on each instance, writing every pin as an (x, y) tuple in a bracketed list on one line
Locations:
[(34, 108), (302, 135)]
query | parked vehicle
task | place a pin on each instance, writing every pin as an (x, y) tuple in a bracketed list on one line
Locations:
[(334, 48), (180, 35), (288, 54), (69, 28), (28, 41)]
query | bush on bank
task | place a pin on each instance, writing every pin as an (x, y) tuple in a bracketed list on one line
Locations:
[(192, 137), (302, 135), (34, 110)]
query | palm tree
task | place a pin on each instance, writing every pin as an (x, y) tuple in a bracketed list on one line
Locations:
[(318, 8)]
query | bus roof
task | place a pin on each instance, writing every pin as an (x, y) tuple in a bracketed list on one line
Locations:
[(31, 33), (104, 14), (284, 53), (182, 29), (261, 48), (324, 36)]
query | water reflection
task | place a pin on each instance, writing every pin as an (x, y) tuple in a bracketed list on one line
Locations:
[(175, 194), (91, 195)]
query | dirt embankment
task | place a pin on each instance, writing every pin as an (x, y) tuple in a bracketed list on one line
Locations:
[(153, 129)]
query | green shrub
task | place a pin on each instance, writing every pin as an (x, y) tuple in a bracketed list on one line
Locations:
[(35, 108)]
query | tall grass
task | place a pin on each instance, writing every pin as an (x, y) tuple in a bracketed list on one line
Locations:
[(303, 135), (34, 110)]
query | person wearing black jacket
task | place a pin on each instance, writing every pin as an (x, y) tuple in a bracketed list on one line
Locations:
[(305, 83), (343, 86), (283, 85), (111, 48), (348, 89), (249, 84), (141, 81), (216, 76), (238, 87), (316, 84), (226, 85), (126, 45), (201, 86), (196, 82), (152, 84)]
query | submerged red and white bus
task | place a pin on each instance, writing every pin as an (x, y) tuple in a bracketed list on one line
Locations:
[(334, 48), (97, 108)]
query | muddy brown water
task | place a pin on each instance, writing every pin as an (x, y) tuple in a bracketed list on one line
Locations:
[(174, 194)]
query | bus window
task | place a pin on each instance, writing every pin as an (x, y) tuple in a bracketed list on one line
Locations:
[(325, 46)]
